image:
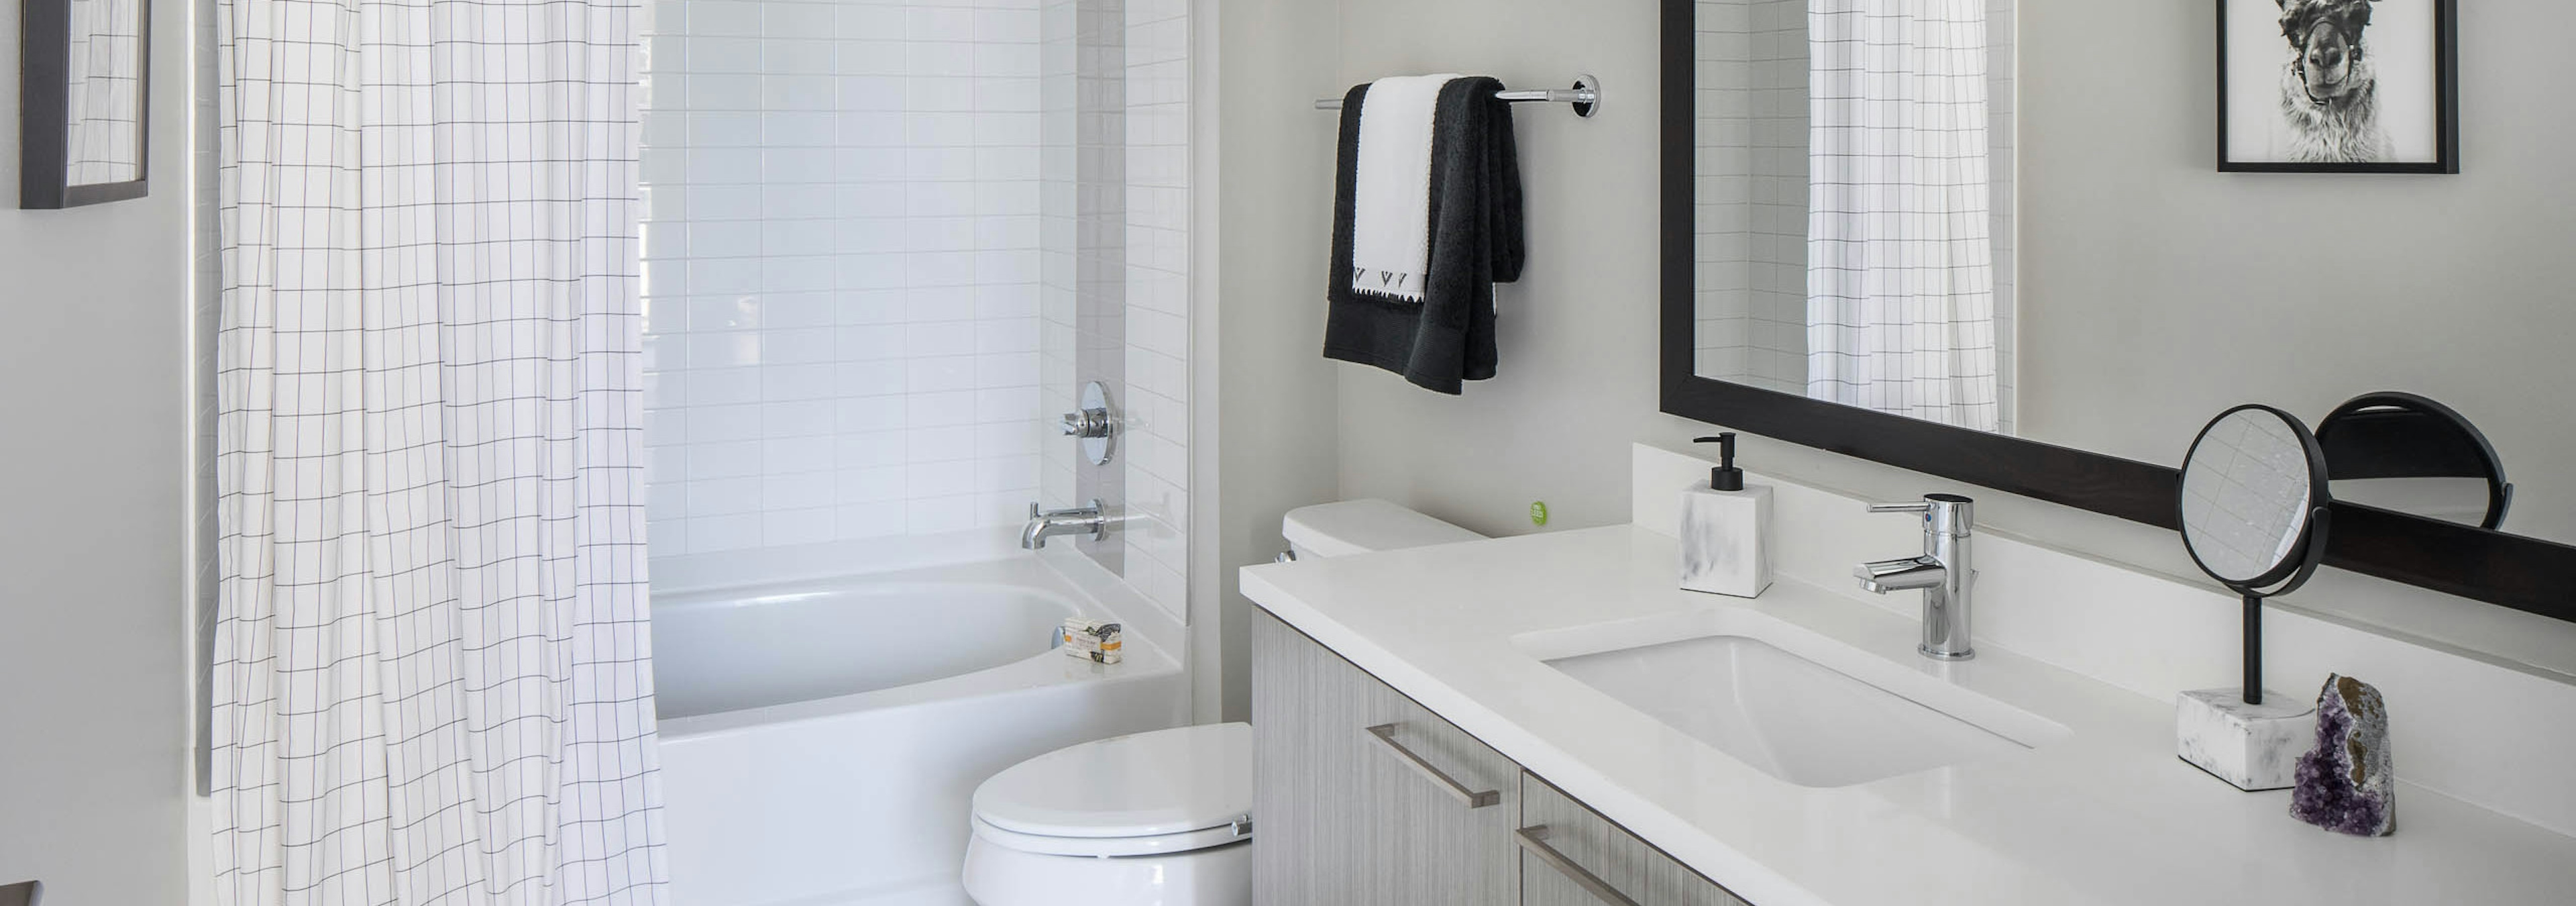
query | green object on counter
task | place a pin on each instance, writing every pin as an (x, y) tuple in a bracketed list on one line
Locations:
[(1538, 512)]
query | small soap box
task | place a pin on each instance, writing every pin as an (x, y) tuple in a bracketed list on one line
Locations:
[(1092, 640)]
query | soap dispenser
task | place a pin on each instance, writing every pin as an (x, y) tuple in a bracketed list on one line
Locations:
[(1726, 530)]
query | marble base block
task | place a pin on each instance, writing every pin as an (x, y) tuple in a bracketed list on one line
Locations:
[(2255, 747)]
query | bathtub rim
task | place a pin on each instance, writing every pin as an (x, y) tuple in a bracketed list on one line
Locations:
[(964, 559), (1144, 663), (691, 574)]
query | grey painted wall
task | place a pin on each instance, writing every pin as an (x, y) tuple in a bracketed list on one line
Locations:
[(94, 678), (1578, 332), (1274, 421)]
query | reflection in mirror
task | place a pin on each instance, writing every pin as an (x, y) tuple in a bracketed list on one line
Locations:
[(1853, 204), (103, 139), (2404, 452), (2248, 491)]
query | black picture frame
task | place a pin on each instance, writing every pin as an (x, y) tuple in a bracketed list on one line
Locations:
[(2526, 574), (2446, 65), (44, 100)]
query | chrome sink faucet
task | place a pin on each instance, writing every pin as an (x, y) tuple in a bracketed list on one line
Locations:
[(1091, 520), (1944, 573)]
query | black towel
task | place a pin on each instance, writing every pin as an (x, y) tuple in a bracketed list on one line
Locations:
[(1475, 243)]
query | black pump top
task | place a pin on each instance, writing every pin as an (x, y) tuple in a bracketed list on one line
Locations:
[(1726, 477)]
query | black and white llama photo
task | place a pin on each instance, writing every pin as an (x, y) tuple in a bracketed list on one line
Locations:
[(2334, 84)]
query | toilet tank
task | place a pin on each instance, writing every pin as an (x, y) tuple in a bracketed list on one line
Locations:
[(1363, 526)]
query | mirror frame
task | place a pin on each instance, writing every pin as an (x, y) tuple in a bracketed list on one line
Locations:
[(2527, 574), (44, 99)]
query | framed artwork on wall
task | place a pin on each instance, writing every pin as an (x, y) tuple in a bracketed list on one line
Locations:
[(2338, 86), (83, 81)]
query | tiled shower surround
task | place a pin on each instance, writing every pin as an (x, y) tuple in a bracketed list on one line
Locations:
[(862, 260)]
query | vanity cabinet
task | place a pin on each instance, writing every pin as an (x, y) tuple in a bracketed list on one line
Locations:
[(1363, 797)]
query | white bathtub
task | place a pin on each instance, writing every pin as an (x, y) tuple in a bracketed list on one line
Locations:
[(820, 739)]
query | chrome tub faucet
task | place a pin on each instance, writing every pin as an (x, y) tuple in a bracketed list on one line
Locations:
[(1944, 573), (1091, 520)]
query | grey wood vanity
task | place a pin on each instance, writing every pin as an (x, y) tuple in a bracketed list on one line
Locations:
[(1364, 797)]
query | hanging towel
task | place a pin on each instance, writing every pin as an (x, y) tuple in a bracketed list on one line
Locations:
[(1391, 210), (1443, 335)]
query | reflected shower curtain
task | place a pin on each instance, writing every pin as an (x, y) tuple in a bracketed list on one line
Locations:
[(432, 677), (1900, 271)]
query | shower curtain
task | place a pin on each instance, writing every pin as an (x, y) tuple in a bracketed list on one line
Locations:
[(1900, 271), (432, 676)]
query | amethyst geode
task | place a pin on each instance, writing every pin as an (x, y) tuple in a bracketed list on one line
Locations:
[(2344, 784)]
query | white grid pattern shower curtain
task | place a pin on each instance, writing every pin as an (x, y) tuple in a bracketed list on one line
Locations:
[(1900, 262), (432, 674)]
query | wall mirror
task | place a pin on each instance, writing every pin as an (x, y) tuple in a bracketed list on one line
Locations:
[(83, 84), (1924, 234)]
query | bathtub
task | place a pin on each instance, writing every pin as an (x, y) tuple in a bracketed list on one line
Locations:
[(820, 738)]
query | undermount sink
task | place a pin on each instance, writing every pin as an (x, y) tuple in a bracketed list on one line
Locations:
[(1731, 679)]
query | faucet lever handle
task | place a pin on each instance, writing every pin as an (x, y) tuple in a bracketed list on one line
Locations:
[(1917, 507)]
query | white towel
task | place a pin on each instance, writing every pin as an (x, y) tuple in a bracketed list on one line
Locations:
[(1391, 232)]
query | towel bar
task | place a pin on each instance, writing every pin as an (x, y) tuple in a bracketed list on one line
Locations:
[(1585, 96)]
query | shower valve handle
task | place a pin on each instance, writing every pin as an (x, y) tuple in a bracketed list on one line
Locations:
[(1089, 423)]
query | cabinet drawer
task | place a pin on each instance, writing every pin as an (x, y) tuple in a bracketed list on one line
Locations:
[(1364, 797), (1571, 856)]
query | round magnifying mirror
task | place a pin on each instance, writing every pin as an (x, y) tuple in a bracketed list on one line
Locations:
[(2253, 500)]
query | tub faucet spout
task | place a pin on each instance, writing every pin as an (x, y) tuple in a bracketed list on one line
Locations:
[(1091, 520)]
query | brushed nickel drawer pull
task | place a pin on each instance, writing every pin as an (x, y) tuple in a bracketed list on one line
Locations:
[(1533, 840), (1385, 734)]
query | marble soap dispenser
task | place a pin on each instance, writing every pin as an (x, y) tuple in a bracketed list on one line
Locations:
[(1726, 530)]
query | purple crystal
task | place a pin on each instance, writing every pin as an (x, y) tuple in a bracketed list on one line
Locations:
[(2344, 784)]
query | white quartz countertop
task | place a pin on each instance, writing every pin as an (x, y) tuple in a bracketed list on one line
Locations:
[(2104, 815)]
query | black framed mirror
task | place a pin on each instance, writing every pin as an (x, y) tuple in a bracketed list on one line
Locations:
[(2485, 564), (84, 84)]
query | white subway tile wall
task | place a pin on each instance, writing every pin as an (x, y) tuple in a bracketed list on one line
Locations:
[(1158, 300), (1751, 208), (842, 247), (1122, 126)]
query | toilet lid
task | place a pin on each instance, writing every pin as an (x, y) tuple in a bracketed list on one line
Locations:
[(1147, 784), (1364, 527)]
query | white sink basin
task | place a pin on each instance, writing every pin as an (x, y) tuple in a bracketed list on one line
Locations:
[(1827, 715)]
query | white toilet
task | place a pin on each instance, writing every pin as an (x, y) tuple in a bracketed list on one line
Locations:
[(1161, 818)]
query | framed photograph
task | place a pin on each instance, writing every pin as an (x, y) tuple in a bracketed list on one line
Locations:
[(2338, 86), (83, 82)]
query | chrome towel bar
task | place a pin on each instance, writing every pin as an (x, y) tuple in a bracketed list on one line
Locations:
[(1585, 96)]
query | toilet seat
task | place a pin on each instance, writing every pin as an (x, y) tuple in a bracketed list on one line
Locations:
[(1156, 845), (1157, 793)]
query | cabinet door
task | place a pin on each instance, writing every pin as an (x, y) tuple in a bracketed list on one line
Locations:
[(1571, 856), (1362, 797)]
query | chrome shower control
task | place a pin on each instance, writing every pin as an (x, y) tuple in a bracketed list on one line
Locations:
[(1096, 425), (1087, 423)]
